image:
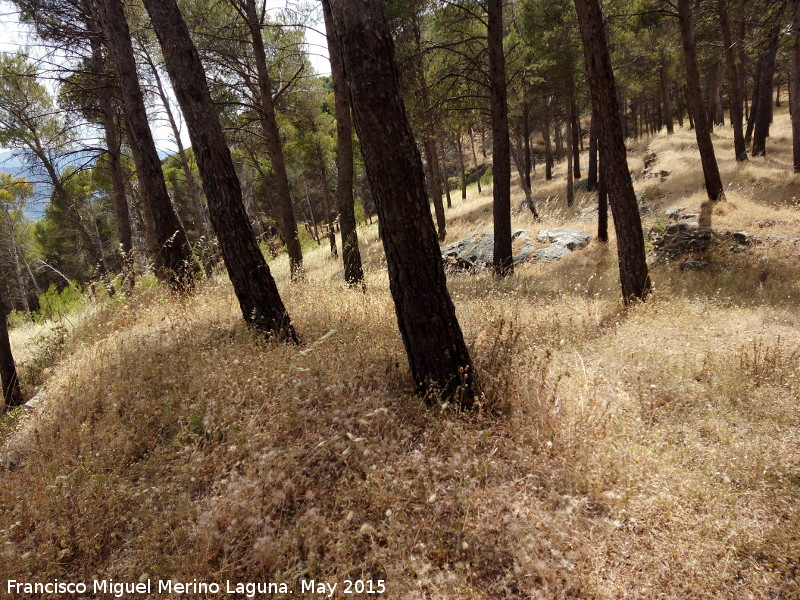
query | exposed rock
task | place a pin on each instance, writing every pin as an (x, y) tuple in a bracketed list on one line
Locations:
[(571, 238), (694, 265), (678, 239), (476, 252), (677, 214), (742, 237), (550, 254)]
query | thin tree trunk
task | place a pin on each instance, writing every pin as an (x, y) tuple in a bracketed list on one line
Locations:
[(15, 256), (548, 147), (575, 129), (501, 158), (475, 158), (173, 260), (191, 184), (570, 173), (351, 255), (326, 199), (616, 176), (708, 159), (438, 357), (463, 167), (751, 119), (591, 179), (445, 177), (734, 90), (763, 114), (602, 210), (258, 296), (432, 162), (526, 139), (666, 103), (269, 126)]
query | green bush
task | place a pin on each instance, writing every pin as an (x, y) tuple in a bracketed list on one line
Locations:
[(54, 303)]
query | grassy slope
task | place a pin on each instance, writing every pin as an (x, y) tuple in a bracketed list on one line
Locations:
[(629, 454)]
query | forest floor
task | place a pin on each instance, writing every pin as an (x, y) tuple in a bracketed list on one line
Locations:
[(649, 452)]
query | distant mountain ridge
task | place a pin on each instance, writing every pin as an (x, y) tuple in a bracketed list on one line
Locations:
[(42, 190)]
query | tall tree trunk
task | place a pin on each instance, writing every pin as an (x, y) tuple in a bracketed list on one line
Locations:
[(570, 172), (602, 210), (199, 216), (548, 147), (734, 90), (252, 281), (434, 343), (702, 129), (614, 161), (573, 126), (269, 126), (751, 119), (475, 158), (591, 179), (432, 161), (763, 113), (501, 158), (794, 93), (445, 175), (353, 270), (666, 102), (330, 216), (518, 156), (526, 139), (173, 261), (108, 115), (462, 166), (12, 395)]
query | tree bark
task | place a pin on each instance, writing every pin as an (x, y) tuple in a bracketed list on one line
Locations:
[(173, 260), (574, 125), (794, 91), (548, 147), (438, 357), (199, 216), (666, 102), (445, 175), (734, 89), (615, 174), (269, 126), (713, 181), (351, 255), (570, 172), (432, 161), (526, 139), (475, 158), (113, 147), (12, 395), (501, 157), (591, 179), (252, 281), (763, 112), (462, 166), (326, 199)]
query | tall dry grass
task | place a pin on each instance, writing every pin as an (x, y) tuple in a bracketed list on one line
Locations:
[(642, 453)]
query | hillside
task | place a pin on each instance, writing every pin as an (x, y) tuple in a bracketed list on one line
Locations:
[(620, 453)]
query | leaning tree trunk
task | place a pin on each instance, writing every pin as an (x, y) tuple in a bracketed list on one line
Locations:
[(763, 113), (734, 89), (501, 152), (702, 128), (253, 284), (272, 138), (173, 260), (353, 270), (437, 354), (751, 119), (794, 92), (616, 177), (12, 395), (199, 216)]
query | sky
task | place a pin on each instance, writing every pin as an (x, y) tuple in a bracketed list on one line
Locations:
[(13, 35)]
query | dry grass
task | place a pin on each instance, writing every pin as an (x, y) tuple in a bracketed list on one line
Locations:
[(644, 453)]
